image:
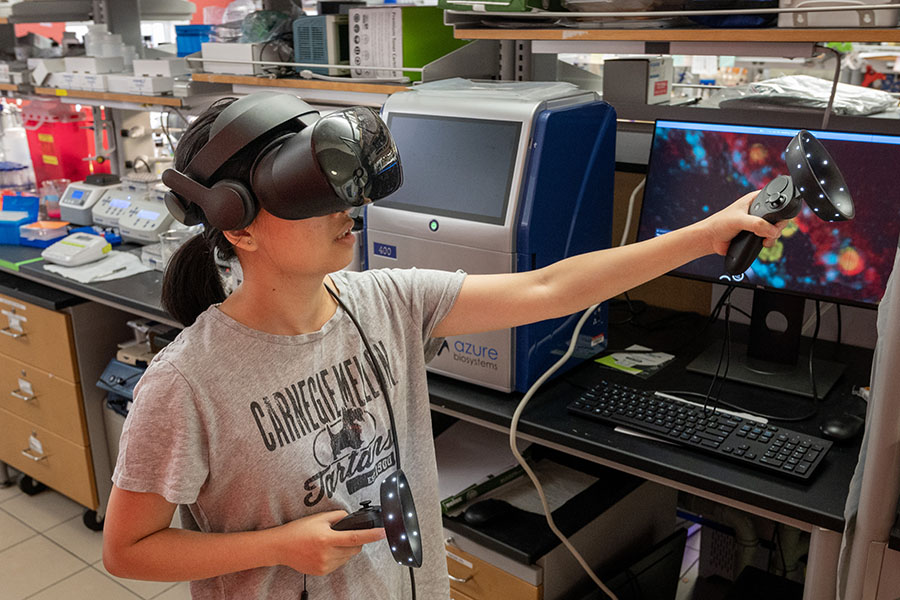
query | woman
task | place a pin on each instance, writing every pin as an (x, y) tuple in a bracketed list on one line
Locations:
[(265, 419)]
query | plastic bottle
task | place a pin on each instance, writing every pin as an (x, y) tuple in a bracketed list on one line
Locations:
[(15, 143)]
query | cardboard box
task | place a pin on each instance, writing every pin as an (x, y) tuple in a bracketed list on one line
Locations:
[(161, 67), (126, 83), (862, 17), (94, 64), (239, 52), (637, 80), (398, 36)]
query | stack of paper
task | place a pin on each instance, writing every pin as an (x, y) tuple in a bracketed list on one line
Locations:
[(471, 461)]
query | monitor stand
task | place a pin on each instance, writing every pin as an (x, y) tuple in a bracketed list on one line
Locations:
[(772, 359)]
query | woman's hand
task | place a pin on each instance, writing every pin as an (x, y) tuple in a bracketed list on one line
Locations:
[(722, 226), (309, 545)]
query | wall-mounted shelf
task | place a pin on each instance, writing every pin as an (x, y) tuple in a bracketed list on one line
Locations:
[(681, 35), (110, 97), (306, 84)]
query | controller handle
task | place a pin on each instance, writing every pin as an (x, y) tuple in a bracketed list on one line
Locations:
[(367, 517), (775, 202)]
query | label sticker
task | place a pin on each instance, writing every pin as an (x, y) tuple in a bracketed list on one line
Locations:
[(460, 559), (15, 321), (384, 250), (12, 303), (25, 387), (35, 444)]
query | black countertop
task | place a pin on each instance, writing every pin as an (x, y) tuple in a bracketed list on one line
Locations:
[(139, 293), (819, 502)]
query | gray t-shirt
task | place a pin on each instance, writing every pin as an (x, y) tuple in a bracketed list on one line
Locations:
[(249, 430)]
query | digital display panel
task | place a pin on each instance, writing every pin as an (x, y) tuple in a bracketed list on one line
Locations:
[(696, 169), (454, 167)]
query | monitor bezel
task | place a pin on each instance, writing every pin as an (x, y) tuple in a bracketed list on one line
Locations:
[(721, 280)]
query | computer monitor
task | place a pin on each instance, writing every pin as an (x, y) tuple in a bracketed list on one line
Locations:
[(698, 168)]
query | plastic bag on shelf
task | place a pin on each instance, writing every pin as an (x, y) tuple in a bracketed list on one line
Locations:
[(804, 91)]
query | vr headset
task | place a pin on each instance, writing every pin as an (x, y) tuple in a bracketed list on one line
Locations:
[(319, 166)]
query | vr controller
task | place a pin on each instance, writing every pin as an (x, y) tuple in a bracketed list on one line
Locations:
[(397, 514), (814, 179), (367, 517)]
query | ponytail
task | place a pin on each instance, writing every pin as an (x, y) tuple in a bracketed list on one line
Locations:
[(192, 282)]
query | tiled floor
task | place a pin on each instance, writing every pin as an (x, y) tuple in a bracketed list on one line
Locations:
[(46, 553)]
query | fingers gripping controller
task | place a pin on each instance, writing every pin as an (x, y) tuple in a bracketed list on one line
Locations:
[(367, 517), (814, 179), (397, 514), (775, 202)]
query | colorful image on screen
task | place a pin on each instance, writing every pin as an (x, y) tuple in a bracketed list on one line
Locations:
[(698, 168)]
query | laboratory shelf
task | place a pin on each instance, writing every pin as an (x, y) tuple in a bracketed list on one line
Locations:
[(136, 99), (307, 84), (768, 35)]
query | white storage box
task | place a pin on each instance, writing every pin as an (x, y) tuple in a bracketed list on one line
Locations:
[(135, 84), (161, 67), (90, 82), (94, 64), (41, 68), (238, 52), (860, 17), (64, 80)]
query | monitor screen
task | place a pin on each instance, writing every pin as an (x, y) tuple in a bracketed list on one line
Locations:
[(454, 167), (696, 169)]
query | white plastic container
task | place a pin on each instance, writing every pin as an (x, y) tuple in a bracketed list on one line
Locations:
[(861, 17)]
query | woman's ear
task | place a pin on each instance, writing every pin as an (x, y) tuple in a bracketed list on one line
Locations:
[(241, 239)]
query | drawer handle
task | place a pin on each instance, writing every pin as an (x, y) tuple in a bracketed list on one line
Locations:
[(459, 579), (27, 454), (10, 333), (16, 394)]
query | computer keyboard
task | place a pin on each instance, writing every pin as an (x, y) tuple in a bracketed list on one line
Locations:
[(748, 441)]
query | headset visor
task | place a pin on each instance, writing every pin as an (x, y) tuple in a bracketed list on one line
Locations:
[(357, 155)]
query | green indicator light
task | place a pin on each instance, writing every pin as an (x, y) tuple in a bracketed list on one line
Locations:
[(433, 225)]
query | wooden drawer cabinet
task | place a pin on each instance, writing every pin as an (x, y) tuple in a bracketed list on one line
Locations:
[(38, 337), (475, 579), (458, 595), (57, 462), (42, 398)]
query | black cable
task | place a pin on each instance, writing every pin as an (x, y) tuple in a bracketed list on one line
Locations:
[(812, 344), (736, 407), (146, 164), (304, 595), (725, 344), (378, 374), (829, 108), (164, 125), (387, 400), (838, 306)]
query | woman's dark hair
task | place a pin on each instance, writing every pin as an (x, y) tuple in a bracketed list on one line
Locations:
[(192, 281)]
